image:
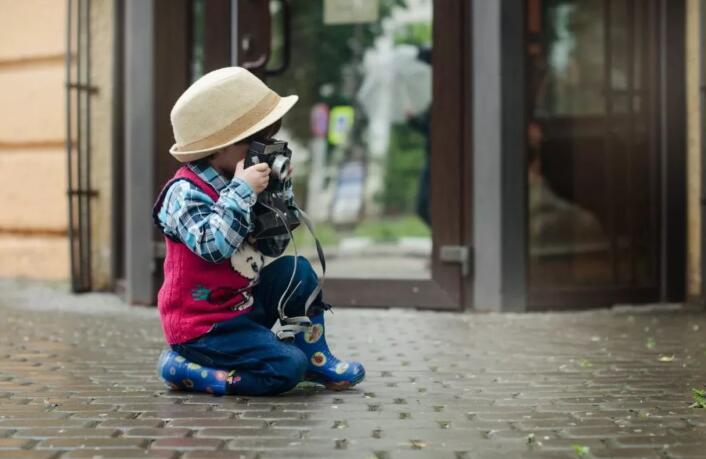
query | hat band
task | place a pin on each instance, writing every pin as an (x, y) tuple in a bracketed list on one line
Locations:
[(238, 126)]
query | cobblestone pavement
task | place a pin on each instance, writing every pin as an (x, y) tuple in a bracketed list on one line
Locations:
[(77, 380)]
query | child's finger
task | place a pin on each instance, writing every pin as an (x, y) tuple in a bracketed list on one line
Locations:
[(260, 167)]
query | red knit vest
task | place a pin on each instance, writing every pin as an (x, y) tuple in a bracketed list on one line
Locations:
[(197, 294)]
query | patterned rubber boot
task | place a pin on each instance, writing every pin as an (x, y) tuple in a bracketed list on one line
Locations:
[(180, 374), (324, 368)]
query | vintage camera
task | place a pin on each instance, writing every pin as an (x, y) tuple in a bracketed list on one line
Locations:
[(271, 214)]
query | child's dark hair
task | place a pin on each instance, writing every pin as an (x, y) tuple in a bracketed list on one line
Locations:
[(265, 133)]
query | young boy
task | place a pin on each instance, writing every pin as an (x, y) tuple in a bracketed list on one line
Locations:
[(218, 302)]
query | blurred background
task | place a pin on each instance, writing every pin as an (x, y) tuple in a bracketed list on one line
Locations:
[(512, 155)]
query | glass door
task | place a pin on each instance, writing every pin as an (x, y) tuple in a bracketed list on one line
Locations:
[(381, 181), (592, 142)]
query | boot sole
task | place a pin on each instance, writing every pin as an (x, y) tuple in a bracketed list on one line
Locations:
[(336, 386)]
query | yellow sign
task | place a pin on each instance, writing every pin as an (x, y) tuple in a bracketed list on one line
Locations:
[(340, 124)]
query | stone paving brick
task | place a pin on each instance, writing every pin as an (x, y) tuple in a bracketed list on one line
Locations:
[(66, 433), (131, 423), (41, 423), (13, 443), (187, 444), (230, 454), (106, 453), (28, 454), (226, 423), (79, 443), (534, 385), (264, 433), (160, 432)]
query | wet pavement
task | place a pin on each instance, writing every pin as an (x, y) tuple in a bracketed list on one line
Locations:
[(77, 379)]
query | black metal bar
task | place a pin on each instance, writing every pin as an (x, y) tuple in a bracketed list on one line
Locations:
[(117, 173), (91, 193), (660, 47), (82, 87), (675, 152), (87, 266), (69, 134), (78, 252), (78, 169), (80, 162)]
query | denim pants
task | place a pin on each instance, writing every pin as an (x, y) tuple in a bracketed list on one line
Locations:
[(264, 365)]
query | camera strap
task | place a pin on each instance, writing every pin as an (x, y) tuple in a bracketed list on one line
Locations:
[(322, 259), (293, 325)]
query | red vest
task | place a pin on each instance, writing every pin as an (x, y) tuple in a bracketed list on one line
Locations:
[(196, 293)]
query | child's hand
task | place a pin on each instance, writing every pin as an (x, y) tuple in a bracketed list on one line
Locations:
[(257, 175)]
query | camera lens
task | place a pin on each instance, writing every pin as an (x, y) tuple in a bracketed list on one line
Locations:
[(280, 167)]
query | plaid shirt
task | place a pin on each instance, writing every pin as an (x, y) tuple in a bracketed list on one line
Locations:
[(213, 230)]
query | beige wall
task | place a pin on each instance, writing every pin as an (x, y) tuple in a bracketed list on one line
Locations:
[(102, 64), (32, 160), (33, 174), (693, 60)]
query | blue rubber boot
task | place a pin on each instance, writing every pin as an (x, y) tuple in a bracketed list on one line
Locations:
[(180, 374), (323, 367)]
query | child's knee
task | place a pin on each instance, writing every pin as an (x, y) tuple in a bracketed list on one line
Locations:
[(297, 364), (292, 369), (305, 272)]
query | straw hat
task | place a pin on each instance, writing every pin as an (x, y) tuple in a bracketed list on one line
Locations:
[(221, 108)]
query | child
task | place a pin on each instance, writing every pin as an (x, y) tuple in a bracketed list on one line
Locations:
[(218, 302)]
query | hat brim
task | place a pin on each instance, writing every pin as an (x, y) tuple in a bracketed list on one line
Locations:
[(281, 109)]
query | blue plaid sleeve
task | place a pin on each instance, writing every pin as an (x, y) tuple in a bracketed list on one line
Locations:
[(212, 230)]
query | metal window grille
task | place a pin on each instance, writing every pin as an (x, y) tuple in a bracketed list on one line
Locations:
[(78, 141)]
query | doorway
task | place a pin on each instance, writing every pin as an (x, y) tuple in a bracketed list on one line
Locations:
[(388, 188)]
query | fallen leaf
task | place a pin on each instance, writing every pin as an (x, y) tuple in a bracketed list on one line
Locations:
[(699, 396), (581, 450)]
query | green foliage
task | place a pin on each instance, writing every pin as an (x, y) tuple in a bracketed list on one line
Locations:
[(392, 229), (327, 234), (404, 164), (415, 34)]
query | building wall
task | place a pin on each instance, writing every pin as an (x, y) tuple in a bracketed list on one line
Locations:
[(33, 220), (693, 63), (33, 170)]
